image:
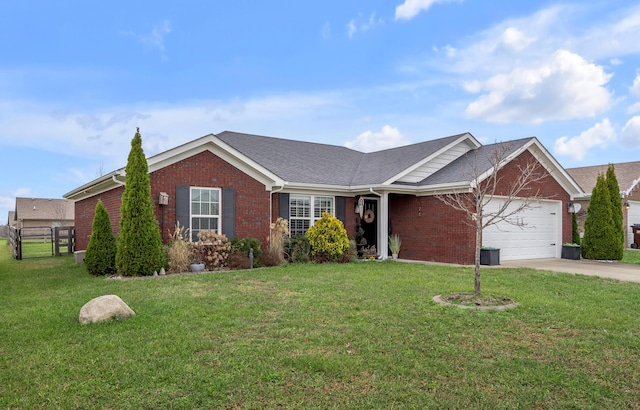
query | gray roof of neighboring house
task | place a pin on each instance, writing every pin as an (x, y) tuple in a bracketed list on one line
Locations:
[(627, 174), (44, 209), (313, 163)]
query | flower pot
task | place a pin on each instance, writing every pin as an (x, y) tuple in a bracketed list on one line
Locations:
[(394, 255), (197, 267), (489, 256), (570, 252)]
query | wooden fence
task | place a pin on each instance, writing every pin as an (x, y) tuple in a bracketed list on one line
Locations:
[(33, 242)]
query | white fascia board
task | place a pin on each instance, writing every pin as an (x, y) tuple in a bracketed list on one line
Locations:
[(97, 186), (466, 136), (217, 147), (554, 168)]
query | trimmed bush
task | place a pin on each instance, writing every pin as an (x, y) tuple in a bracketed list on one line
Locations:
[(328, 239), (140, 251), (243, 245), (298, 249), (100, 255), (600, 241)]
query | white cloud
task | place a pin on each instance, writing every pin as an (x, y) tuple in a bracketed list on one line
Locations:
[(351, 28), (515, 40), (363, 24), (369, 141), (326, 31), (631, 133), (615, 61), (635, 88), (564, 87), (411, 8), (8, 200), (600, 135), (634, 108), (155, 38)]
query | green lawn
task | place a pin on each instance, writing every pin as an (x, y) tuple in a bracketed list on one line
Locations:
[(362, 335), (631, 256)]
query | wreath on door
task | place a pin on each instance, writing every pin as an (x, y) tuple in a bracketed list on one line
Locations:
[(369, 216)]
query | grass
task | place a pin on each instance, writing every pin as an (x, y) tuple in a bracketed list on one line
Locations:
[(361, 335), (631, 256)]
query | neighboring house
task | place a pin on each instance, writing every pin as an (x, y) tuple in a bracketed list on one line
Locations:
[(11, 221), (43, 213), (238, 184), (628, 176)]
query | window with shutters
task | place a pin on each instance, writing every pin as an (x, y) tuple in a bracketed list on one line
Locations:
[(304, 210), (205, 210)]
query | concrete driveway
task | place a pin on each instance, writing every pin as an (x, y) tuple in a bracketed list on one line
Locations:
[(611, 270)]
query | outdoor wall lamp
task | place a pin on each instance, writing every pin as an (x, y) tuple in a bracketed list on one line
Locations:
[(570, 208), (627, 206)]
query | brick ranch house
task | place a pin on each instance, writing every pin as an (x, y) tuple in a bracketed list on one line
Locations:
[(628, 176), (239, 183)]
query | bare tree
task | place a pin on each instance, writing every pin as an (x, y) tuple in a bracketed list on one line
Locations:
[(485, 182), (59, 211)]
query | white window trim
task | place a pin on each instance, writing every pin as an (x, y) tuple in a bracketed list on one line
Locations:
[(312, 198), (218, 217)]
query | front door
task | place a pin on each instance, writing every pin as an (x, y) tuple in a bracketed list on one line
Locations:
[(370, 222)]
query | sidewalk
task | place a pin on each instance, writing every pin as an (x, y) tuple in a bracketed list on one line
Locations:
[(604, 269)]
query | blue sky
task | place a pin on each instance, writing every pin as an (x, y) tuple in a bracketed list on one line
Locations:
[(77, 78)]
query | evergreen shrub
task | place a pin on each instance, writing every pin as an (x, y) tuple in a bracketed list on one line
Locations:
[(328, 239), (100, 255)]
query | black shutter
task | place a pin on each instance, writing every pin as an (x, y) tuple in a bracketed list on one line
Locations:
[(283, 199), (229, 212), (182, 206), (341, 212)]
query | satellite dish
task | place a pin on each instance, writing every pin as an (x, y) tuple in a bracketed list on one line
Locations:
[(577, 208)]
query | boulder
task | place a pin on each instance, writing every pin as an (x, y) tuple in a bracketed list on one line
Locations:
[(104, 308)]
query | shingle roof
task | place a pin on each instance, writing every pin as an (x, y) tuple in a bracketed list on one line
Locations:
[(627, 174), (462, 169), (44, 209), (313, 163)]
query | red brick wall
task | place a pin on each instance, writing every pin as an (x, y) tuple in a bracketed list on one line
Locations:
[(204, 170), (433, 231)]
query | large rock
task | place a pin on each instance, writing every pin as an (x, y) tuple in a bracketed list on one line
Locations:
[(104, 308)]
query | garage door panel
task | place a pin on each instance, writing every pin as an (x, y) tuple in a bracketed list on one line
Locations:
[(537, 239)]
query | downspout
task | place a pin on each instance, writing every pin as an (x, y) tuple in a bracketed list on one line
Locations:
[(116, 180)]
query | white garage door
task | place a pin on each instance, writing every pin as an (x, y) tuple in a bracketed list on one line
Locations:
[(540, 238), (633, 217)]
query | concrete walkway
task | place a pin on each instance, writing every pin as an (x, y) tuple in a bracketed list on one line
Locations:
[(604, 269)]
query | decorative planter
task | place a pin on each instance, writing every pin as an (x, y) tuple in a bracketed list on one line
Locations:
[(197, 267), (489, 256), (570, 252), (394, 255)]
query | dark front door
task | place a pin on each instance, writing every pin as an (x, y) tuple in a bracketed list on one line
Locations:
[(370, 223)]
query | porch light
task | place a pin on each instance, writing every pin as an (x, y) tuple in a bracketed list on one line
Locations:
[(627, 206), (570, 208)]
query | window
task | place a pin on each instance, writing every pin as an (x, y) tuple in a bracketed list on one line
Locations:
[(304, 210), (205, 210)]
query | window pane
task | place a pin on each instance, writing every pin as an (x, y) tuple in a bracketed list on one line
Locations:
[(322, 204)]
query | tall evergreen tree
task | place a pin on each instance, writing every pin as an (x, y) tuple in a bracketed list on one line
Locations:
[(140, 250), (616, 211), (599, 240), (100, 256)]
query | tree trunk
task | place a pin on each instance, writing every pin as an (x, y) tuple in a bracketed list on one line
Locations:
[(476, 284)]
